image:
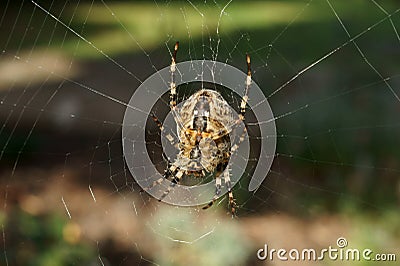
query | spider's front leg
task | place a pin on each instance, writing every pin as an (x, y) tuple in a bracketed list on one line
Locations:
[(245, 97), (172, 93)]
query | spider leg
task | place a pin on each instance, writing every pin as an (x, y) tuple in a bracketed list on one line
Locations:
[(176, 180), (168, 173), (171, 168), (172, 94), (217, 192), (228, 184), (172, 87), (243, 104), (227, 180), (159, 124), (245, 97), (241, 139)]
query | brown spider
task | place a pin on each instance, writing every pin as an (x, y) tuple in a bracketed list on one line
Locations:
[(205, 121)]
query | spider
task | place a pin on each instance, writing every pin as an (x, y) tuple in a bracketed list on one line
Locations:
[(204, 121)]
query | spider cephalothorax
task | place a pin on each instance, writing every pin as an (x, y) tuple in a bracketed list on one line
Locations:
[(204, 123)]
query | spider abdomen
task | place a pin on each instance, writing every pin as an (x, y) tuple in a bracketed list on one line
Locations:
[(204, 137)]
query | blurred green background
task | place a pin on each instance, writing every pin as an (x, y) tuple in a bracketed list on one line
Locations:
[(66, 195)]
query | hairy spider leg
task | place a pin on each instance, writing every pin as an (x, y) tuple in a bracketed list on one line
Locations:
[(245, 97), (172, 94), (243, 103), (172, 87), (217, 186), (228, 184), (169, 171), (161, 127), (177, 178)]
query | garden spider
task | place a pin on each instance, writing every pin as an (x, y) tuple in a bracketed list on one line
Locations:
[(205, 121)]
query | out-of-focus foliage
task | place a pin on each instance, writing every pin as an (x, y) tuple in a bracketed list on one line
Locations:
[(211, 243), (49, 240)]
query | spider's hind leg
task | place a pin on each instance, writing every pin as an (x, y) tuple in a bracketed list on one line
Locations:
[(168, 173), (228, 184), (176, 180), (171, 169), (217, 192), (231, 199)]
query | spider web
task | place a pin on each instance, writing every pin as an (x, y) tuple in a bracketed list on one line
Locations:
[(330, 73)]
